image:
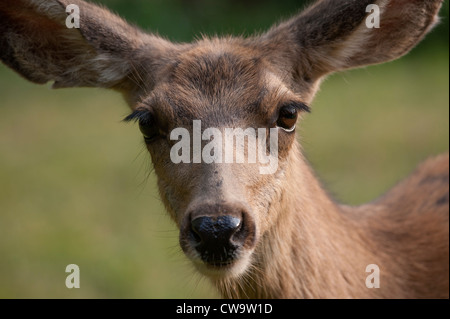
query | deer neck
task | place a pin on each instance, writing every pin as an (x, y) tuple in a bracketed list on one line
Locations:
[(314, 250)]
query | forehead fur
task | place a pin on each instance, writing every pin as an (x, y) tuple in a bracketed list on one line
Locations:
[(221, 80), (212, 76)]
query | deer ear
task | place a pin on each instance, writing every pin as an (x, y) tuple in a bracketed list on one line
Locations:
[(104, 51), (334, 35)]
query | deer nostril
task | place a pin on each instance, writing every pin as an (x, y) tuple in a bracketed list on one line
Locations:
[(196, 235)]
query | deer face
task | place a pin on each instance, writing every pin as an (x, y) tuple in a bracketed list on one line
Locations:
[(259, 86), (221, 206)]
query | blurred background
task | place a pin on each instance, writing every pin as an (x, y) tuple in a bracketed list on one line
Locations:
[(76, 184)]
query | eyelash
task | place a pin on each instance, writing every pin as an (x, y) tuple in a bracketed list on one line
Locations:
[(139, 115), (301, 107)]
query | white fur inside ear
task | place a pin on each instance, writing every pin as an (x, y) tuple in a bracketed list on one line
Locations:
[(52, 9), (110, 69), (355, 44)]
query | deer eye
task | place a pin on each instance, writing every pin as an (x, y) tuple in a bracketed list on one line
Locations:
[(287, 118), (147, 125), (148, 130)]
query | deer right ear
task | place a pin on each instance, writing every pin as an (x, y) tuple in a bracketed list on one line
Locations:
[(105, 51), (333, 35)]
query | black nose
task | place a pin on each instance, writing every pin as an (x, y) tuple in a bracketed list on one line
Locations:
[(217, 238)]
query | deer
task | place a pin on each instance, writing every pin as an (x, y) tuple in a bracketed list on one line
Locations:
[(253, 235)]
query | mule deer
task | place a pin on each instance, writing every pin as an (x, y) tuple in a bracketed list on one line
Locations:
[(256, 235)]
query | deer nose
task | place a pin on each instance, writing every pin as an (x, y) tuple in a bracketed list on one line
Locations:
[(217, 239), (218, 233), (212, 234)]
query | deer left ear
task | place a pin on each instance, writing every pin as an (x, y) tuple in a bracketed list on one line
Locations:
[(334, 35), (102, 51)]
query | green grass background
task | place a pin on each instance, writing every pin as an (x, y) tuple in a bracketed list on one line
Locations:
[(76, 183)]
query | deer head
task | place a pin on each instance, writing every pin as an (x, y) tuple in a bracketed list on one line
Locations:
[(241, 89)]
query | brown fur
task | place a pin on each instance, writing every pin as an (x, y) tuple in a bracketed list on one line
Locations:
[(300, 243)]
